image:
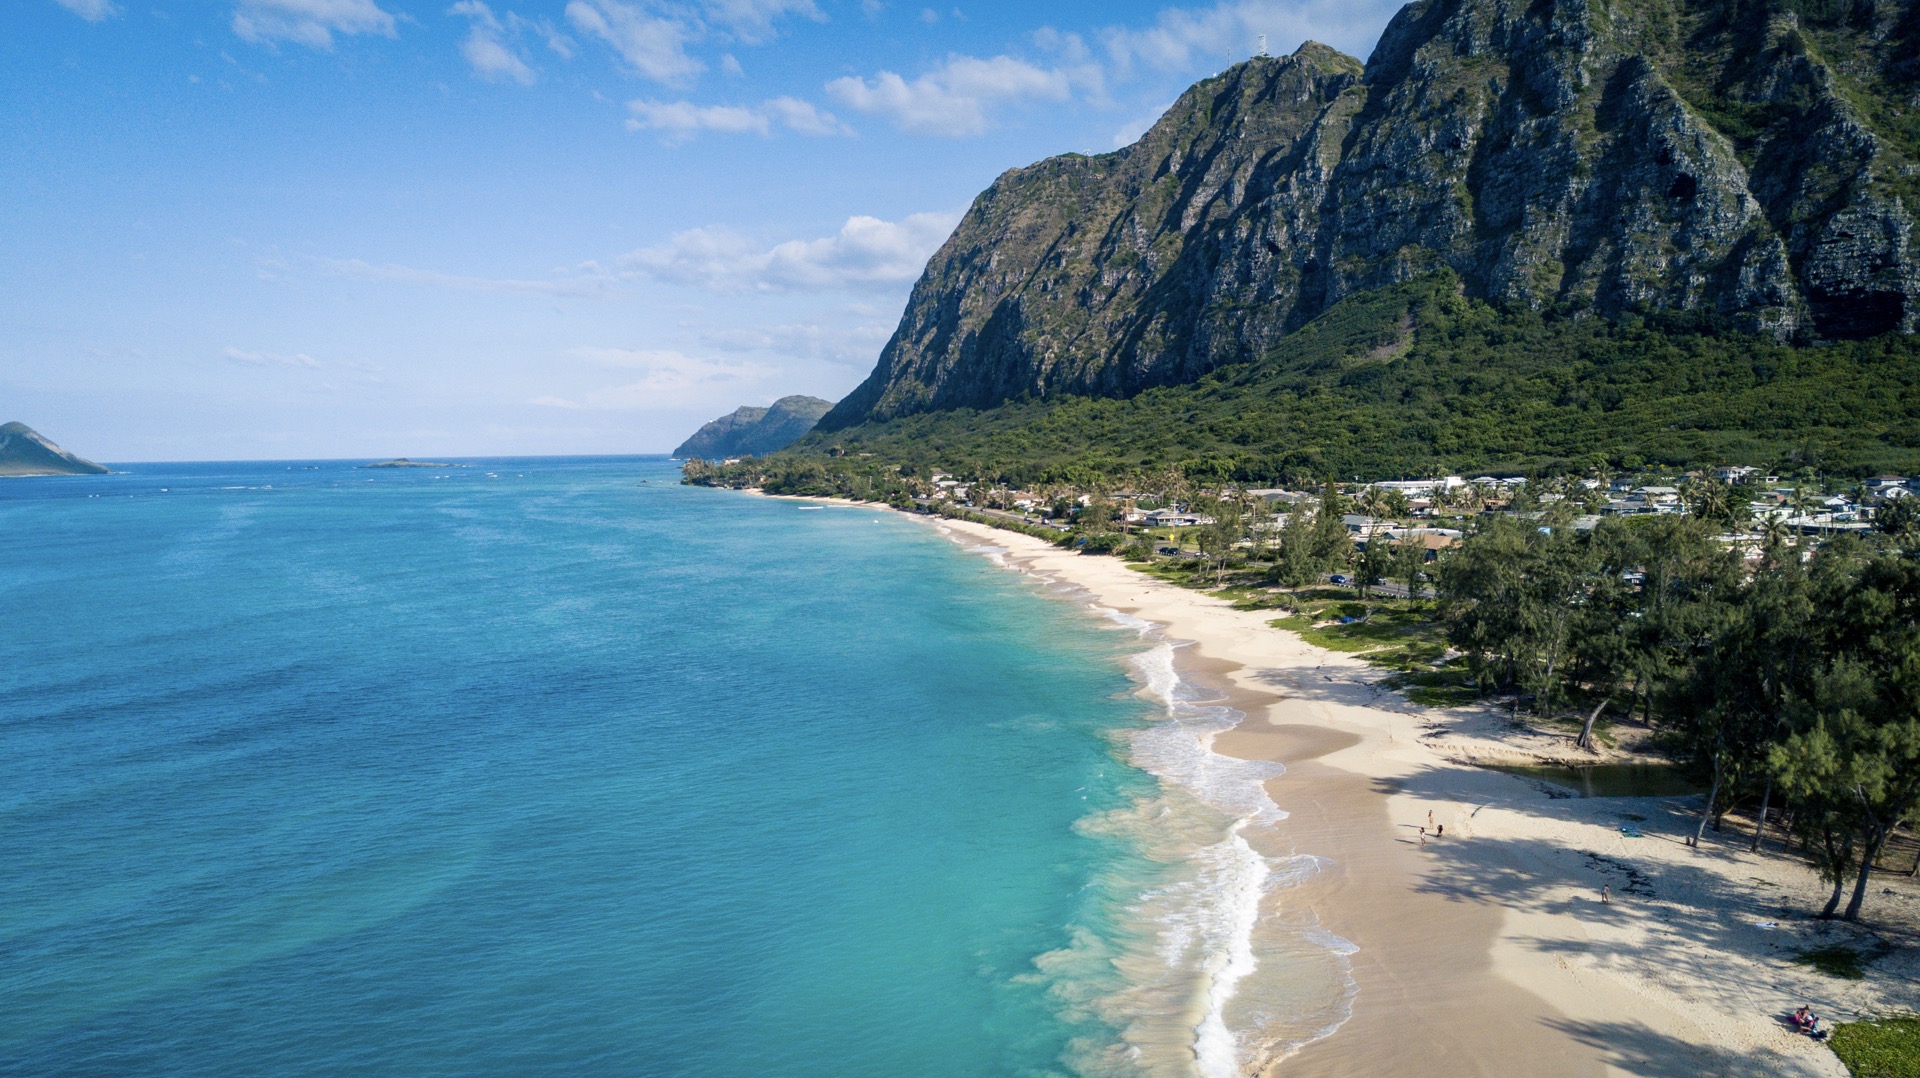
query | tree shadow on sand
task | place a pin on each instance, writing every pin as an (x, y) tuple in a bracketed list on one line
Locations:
[(1638, 1050), (1721, 932)]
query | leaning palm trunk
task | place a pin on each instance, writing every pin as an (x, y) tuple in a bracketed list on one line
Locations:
[(1585, 740)]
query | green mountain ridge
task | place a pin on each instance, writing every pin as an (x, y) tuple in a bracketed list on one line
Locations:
[(25, 451), (1418, 379), (1753, 162)]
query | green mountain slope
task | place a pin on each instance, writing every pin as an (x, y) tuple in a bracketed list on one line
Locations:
[(1418, 379)]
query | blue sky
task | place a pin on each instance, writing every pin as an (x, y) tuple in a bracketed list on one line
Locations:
[(338, 228)]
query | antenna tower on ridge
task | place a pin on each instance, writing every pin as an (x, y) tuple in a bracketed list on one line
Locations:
[(1263, 44)]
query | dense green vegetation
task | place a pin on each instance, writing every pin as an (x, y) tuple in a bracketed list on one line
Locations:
[(1417, 380), (1795, 681), (1880, 1047)]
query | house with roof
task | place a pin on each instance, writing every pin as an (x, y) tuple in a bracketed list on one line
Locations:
[(1170, 518)]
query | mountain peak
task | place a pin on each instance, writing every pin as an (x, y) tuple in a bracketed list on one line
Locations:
[(1756, 167)]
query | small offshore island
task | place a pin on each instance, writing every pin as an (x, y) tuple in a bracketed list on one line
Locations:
[(26, 452), (402, 462)]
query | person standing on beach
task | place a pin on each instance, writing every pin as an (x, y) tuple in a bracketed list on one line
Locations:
[(1606, 894)]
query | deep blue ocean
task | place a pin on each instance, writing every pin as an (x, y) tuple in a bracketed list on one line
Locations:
[(551, 766)]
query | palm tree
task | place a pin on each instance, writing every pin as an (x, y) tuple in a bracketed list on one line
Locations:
[(1802, 503), (1373, 502), (1773, 536)]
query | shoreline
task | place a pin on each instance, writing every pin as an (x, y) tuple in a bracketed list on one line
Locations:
[(1489, 952), (1437, 1008)]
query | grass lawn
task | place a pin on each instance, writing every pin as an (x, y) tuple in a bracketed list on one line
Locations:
[(1880, 1047)]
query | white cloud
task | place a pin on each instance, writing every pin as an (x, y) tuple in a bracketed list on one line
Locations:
[(684, 119), (565, 286), (653, 36), (1130, 133), (866, 252), (272, 359), (1183, 38), (855, 345), (90, 10), (487, 48), (309, 22), (751, 21), (803, 117), (670, 380), (561, 44), (655, 45), (954, 98)]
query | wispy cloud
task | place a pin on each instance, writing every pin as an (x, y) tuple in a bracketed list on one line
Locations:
[(669, 380), (487, 47), (654, 37), (964, 95), (579, 286), (272, 359), (90, 10), (1181, 38), (854, 345), (752, 21), (866, 252), (652, 43), (956, 97), (681, 120), (309, 22)]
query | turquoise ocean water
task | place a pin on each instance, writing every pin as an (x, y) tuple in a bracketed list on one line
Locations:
[(555, 766)]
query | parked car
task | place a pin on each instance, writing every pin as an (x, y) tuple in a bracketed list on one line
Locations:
[(1340, 578)]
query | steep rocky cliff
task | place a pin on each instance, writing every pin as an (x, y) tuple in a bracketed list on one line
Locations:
[(1751, 161), (750, 431)]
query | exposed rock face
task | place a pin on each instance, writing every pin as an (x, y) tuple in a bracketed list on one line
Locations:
[(24, 451), (754, 431), (1729, 158)]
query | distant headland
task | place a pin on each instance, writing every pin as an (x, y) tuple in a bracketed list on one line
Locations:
[(25, 451), (751, 431)]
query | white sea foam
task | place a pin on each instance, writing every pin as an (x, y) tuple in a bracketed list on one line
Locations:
[(1230, 958), (1190, 947)]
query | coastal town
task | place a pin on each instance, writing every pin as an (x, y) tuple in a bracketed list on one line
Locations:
[(1753, 506)]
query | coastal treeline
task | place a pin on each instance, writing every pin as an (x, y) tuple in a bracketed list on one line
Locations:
[(1792, 682)]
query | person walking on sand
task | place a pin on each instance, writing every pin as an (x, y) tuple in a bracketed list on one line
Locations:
[(1606, 894), (1429, 817), (1440, 831)]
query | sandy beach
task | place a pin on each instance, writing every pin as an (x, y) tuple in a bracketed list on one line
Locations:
[(1489, 951)]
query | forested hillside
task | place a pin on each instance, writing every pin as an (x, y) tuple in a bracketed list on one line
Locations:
[(1416, 379)]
